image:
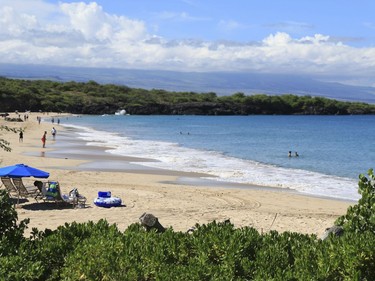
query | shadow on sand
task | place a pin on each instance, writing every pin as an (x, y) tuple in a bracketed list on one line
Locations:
[(46, 206), (20, 201)]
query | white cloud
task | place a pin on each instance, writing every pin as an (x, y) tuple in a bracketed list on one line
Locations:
[(95, 24), (14, 24), (79, 34), (279, 39), (316, 39)]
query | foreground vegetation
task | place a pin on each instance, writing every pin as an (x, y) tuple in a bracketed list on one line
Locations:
[(216, 251), (4, 144), (93, 98)]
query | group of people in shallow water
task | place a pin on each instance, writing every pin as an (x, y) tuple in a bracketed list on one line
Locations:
[(290, 154)]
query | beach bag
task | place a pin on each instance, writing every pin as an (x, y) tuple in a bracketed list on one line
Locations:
[(52, 190)]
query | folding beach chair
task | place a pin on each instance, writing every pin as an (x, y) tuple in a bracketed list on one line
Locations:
[(26, 192), (9, 186)]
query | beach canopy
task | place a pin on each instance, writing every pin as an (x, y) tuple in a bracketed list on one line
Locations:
[(21, 170)]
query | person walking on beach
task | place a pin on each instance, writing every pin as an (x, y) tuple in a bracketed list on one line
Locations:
[(21, 136), (44, 138)]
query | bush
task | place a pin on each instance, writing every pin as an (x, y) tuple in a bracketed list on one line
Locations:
[(11, 233), (361, 217), (215, 251)]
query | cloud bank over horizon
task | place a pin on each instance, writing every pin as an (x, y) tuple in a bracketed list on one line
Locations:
[(85, 35)]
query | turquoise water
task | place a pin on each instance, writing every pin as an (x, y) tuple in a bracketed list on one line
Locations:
[(333, 150)]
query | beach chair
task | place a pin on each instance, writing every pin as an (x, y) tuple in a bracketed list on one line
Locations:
[(53, 193), (26, 192), (9, 186)]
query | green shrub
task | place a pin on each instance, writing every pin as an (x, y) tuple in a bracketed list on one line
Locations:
[(361, 217), (11, 233), (214, 251)]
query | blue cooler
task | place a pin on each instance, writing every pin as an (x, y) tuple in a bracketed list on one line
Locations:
[(104, 194)]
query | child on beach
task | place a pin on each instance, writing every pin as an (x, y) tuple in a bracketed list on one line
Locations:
[(44, 137)]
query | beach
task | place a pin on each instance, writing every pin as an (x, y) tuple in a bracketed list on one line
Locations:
[(179, 200)]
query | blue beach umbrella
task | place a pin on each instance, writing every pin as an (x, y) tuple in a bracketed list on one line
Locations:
[(21, 170)]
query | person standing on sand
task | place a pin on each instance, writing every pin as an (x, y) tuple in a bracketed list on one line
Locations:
[(44, 138), (21, 136)]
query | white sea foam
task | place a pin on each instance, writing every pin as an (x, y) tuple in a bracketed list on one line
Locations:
[(221, 167)]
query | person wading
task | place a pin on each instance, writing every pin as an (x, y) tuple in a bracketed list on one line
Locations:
[(44, 138)]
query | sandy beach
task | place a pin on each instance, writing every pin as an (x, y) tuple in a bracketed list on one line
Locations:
[(177, 203)]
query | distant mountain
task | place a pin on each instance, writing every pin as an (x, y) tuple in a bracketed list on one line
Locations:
[(220, 83)]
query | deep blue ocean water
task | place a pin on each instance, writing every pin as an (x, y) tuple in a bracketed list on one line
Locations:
[(333, 150)]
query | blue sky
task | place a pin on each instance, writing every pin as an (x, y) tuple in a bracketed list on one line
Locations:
[(330, 39), (349, 21)]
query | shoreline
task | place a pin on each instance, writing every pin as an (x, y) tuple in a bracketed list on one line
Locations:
[(98, 159), (174, 151), (179, 200), (96, 156)]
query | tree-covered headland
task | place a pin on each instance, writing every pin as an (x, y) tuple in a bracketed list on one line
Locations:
[(93, 98)]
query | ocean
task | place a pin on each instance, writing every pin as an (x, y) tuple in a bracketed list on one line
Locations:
[(333, 150)]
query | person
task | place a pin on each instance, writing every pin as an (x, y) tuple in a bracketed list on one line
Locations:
[(21, 136), (289, 154), (296, 154), (44, 138), (53, 132), (39, 185)]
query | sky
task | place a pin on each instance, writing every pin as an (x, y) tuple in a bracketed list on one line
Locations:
[(333, 40)]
